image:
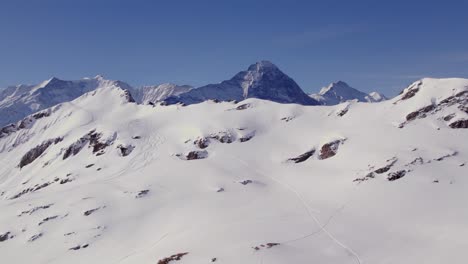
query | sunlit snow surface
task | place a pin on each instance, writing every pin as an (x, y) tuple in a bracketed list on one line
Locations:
[(154, 203)]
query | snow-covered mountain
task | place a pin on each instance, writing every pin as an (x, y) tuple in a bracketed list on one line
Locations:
[(262, 80), (16, 102), (103, 180), (339, 92), (158, 93)]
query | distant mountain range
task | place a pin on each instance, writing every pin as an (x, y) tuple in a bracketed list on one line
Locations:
[(339, 92), (262, 80)]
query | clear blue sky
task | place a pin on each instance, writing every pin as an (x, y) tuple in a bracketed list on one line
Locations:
[(372, 45)]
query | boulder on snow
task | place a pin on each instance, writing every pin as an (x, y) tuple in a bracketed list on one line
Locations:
[(222, 137), (330, 149), (392, 176), (243, 106), (194, 155), (125, 150)]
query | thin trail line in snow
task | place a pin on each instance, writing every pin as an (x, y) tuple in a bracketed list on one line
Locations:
[(307, 207), (151, 247)]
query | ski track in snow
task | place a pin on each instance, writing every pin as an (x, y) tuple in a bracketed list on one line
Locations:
[(147, 153), (134, 253), (309, 210)]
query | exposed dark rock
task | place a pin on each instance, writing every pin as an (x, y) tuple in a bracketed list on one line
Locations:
[(383, 169), (455, 153), (35, 237), (417, 161), (411, 92), (342, 112), (243, 106), (31, 189), (287, 119), (24, 123), (387, 167), (459, 124), (175, 257), (213, 259), (369, 176), (247, 137), (8, 130), (37, 151), (267, 245), (220, 190), (89, 212), (245, 182), (330, 149), (128, 96), (202, 142), (75, 148), (270, 245), (93, 138), (449, 117), (223, 137), (421, 113), (194, 155), (33, 210), (463, 108), (125, 150), (5, 236), (66, 180), (303, 157), (78, 247), (89, 165), (142, 193), (392, 176), (47, 219), (460, 98)]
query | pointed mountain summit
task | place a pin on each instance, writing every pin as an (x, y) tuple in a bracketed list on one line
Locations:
[(339, 92), (262, 80)]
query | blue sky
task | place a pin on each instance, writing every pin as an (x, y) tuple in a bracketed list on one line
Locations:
[(372, 45)]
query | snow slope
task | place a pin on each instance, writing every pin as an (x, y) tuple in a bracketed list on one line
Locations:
[(339, 92), (262, 80), (16, 102), (252, 182)]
